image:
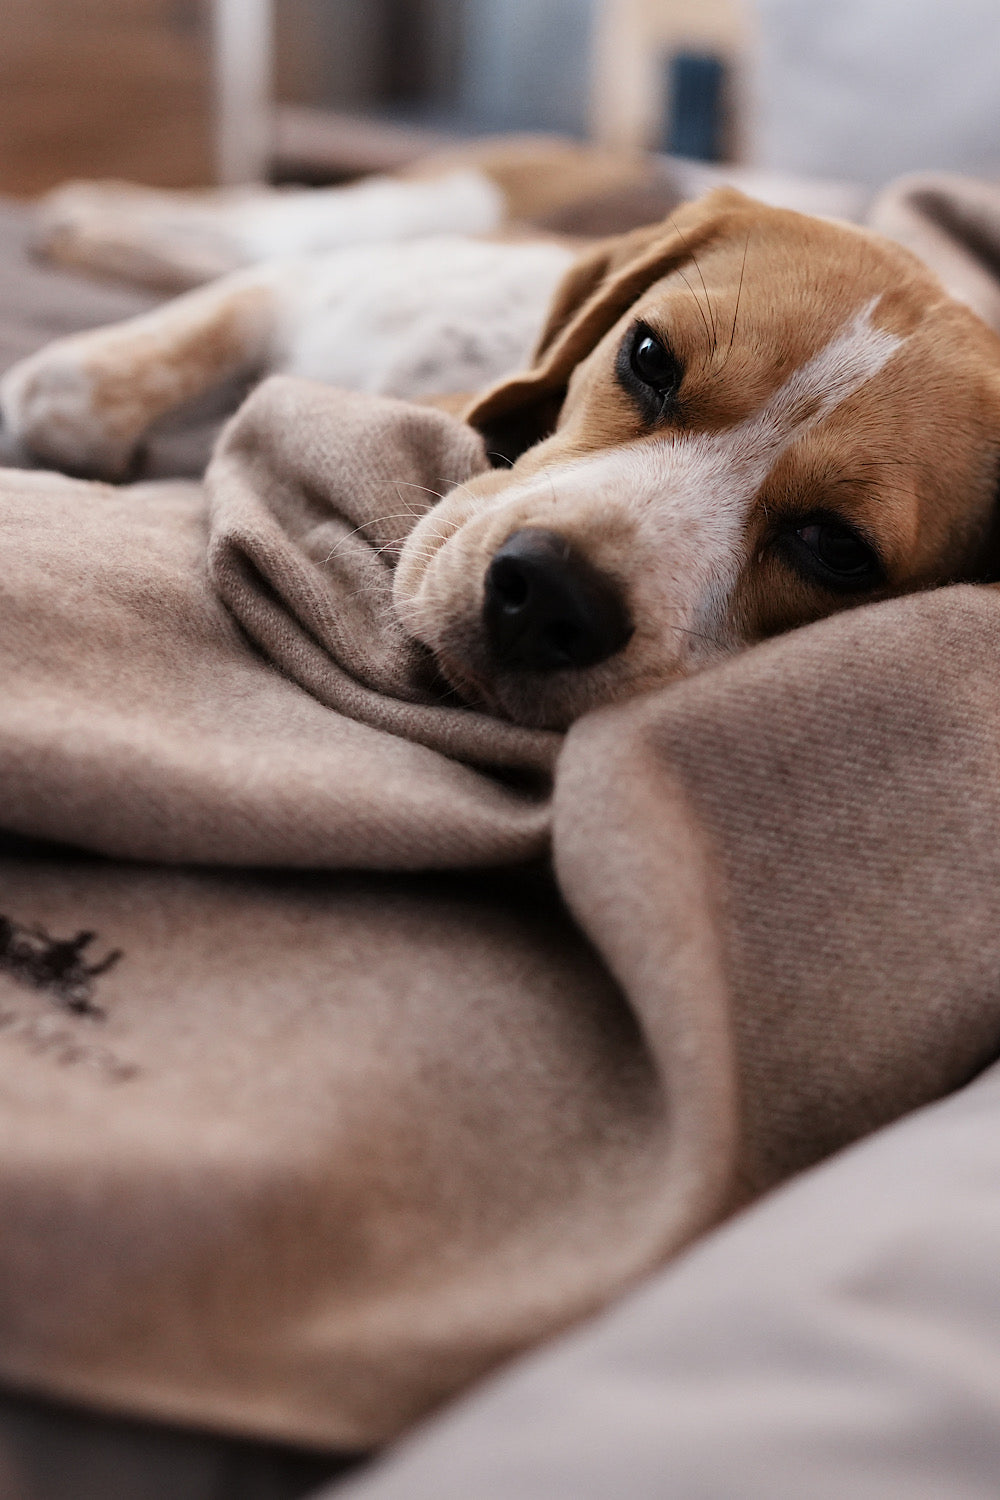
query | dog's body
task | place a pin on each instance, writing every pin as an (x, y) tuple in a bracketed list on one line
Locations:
[(401, 319), (737, 421)]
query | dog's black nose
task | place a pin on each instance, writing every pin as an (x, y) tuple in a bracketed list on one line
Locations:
[(547, 609)]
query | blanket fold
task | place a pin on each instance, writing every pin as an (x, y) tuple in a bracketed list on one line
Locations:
[(322, 1091), (840, 785), (138, 720), (313, 493)]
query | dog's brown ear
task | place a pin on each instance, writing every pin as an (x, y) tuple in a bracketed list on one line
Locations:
[(593, 295)]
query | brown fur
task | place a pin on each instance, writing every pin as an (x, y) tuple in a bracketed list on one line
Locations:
[(746, 296), (540, 177)]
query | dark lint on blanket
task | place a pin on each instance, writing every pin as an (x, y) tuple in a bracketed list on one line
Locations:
[(57, 966)]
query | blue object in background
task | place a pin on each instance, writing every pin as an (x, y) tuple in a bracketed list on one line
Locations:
[(695, 125), (525, 65)]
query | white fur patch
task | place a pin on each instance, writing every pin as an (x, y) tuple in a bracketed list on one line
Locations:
[(380, 210), (428, 317)]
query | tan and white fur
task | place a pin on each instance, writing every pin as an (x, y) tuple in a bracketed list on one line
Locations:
[(414, 285), (827, 387), (406, 319)]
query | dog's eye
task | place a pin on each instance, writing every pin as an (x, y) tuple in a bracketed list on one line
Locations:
[(835, 554), (649, 370), (653, 363)]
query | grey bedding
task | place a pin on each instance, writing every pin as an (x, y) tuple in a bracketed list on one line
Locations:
[(840, 1341)]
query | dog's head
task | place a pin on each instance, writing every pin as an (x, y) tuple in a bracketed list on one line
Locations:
[(737, 421)]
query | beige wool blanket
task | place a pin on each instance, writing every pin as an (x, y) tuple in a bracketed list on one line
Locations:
[(350, 1040)]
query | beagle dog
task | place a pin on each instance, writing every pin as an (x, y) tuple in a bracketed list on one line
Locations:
[(734, 422)]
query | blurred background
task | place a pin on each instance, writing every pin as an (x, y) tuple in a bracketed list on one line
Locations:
[(190, 92)]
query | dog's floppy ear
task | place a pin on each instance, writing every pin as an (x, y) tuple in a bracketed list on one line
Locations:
[(597, 289)]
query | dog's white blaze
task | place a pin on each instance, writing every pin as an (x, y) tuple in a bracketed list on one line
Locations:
[(690, 495)]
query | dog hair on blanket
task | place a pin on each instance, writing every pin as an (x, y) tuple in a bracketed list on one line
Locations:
[(733, 422)]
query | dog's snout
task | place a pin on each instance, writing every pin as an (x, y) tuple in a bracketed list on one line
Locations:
[(547, 609)]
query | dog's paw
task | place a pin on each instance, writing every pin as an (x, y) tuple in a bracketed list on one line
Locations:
[(60, 409)]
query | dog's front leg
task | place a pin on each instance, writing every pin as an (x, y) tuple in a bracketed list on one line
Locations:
[(85, 403)]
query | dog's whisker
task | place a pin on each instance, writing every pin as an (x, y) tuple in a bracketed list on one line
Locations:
[(410, 484), (739, 294), (365, 526), (432, 532), (701, 310), (708, 303), (713, 336), (404, 515), (698, 635), (459, 486), (449, 484), (424, 552)]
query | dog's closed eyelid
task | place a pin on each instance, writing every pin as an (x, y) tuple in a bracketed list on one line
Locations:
[(827, 549)]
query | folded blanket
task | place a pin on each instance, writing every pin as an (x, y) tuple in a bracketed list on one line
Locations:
[(953, 224), (322, 1089)]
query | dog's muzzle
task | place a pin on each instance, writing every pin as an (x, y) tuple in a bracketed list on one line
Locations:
[(546, 609)]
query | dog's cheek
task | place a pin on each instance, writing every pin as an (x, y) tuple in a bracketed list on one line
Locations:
[(417, 558), (769, 600), (438, 592)]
